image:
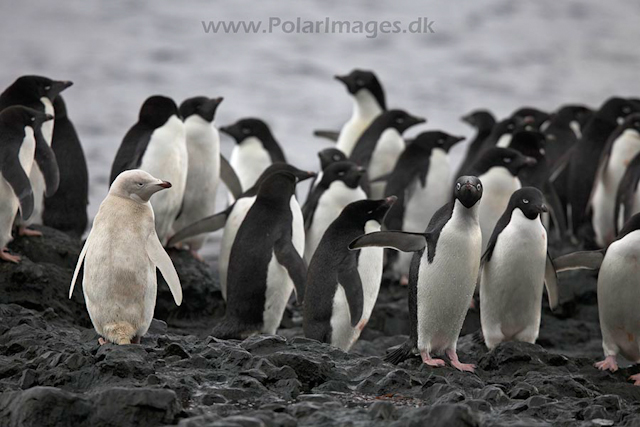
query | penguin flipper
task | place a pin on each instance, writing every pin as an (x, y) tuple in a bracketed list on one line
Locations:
[(349, 279), (160, 259), (331, 135), (230, 178), (401, 353), (588, 260), (398, 240), (555, 208), (205, 225), (83, 253), (289, 258), (46, 160), (551, 282), (19, 181)]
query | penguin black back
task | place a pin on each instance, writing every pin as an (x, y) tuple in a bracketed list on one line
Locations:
[(483, 121)]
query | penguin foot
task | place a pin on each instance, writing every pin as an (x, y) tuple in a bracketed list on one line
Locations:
[(427, 360), (608, 364), (196, 255), (135, 340), (404, 280), (635, 378), (464, 367), (102, 341), (6, 256), (362, 324), (24, 231)]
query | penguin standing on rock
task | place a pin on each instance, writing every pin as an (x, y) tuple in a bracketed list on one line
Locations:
[(443, 274), (343, 285), (483, 121)]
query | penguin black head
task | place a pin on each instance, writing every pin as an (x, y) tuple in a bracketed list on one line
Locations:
[(59, 108), (506, 126), (367, 210), (278, 187), (345, 171), (200, 105), (436, 139), (529, 200), (399, 119), (531, 116), (284, 167), (569, 113), (156, 110), (529, 142), (358, 80), (480, 119), (246, 128), (616, 109), (32, 88), (508, 158), (329, 156), (19, 116), (468, 190), (631, 122)]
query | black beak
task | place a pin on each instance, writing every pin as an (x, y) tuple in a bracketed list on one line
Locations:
[(165, 184), (467, 119), (543, 208), (57, 87), (418, 120), (348, 82)]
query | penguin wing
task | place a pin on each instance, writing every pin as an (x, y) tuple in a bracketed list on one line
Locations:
[(46, 160), (398, 240), (588, 260), (17, 178), (331, 135), (556, 210), (230, 178), (205, 225), (79, 264), (551, 282), (626, 193), (310, 205), (160, 259), (349, 278), (131, 150), (289, 258)]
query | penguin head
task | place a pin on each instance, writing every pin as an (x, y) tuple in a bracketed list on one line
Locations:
[(282, 167), (358, 80), (631, 122), (399, 119), (511, 159), (32, 88), (531, 116), (278, 187), (529, 142), (345, 171), (529, 200), (157, 110), (505, 126), (19, 116), (369, 210), (436, 139), (329, 156), (468, 190), (480, 119), (201, 106), (569, 113), (137, 185), (616, 109), (245, 128)]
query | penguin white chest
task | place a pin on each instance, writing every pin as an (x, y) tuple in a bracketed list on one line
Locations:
[(365, 110), (249, 159), (47, 127), (505, 140), (383, 159), (498, 185)]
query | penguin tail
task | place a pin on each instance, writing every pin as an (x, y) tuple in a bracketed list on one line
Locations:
[(119, 332), (400, 354), (478, 337)]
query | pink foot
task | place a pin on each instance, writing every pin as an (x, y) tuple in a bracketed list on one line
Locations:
[(404, 280), (362, 324), (635, 378), (102, 341), (472, 306), (196, 255), (6, 256), (427, 360), (464, 367), (608, 364), (24, 231)]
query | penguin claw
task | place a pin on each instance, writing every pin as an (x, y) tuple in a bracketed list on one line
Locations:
[(608, 364), (6, 256), (636, 379), (27, 232), (196, 255), (404, 280), (427, 360), (464, 367), (102, 341)]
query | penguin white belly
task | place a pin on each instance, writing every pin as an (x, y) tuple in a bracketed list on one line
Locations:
[(384, 158), (279, 288), (624, 149), (203, 146), (619, 296), (512, 282), (330, 205), (505, 140), (365, 110), (166, 157), (297, 226), (231, 227), (445, 287), (249, 159), (342, 333), (498, 185)]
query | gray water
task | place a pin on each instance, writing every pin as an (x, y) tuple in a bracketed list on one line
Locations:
[(497, 54)]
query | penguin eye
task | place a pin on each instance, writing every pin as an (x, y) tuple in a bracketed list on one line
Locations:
[(370, 212), (47, 87), (510, 126), (140, 184), (542, 151), (626, 109), (525, 201), (336, 157), (246, 131), (33, 119), (479, 187), (507, 160), (400, 120), (341, 173), (360, 82), (440, 141), (458, 186)]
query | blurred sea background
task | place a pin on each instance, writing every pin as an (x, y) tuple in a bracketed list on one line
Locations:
[(495, 54)]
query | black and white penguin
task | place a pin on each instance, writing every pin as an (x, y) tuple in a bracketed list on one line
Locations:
[(327, 156), (342, 285), (618, 294), (381, 144), (584, 162), (157, 144), (515, 267), (18, 129), (498, 169), (533, 117), (483, 122), (256, 149), (266, 262), (622, 147), (628, 194), (203, 178), (443, 274), (501, 133), (339, 186), (421, 179), (66, 210), (232, 218)]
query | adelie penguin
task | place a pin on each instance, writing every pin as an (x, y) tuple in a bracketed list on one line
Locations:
[(256, 149), (327, 157), (157, 144), (38, 92), (343, 285), (622, 147), (232, 218), (443, 274), (421, 179), (515, 267), (18, 129), (339, 186), (66, 210), (533, 117), (618, 294), (270, 241), (380, 146), (368, 103), (483, 122)]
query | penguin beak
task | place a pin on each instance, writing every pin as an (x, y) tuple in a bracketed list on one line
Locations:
[(348, 82), (467, 119), (530, 161), (57, 87), (164, 184), (389, 201), (418, 120), (544, 208), (47, 117)]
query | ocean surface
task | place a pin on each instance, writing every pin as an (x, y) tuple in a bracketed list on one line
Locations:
[(496, 54)]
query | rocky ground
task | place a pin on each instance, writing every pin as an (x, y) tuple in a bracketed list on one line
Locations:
[(54, 373)]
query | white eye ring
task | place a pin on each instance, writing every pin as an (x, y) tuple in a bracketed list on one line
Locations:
[(507, 160), (399, 120), (341, 173), (47, 87), (542, 151), (336, 158), (458, 186), (441, 141), (626, 109), (479, 187), (246, 131), (360, 82), (33, 119), (525, 201), (140, 184)]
